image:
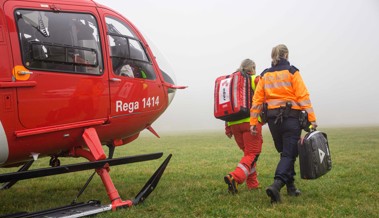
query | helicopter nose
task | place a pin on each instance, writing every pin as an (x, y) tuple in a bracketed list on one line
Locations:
[(171, 91), (171, 95)]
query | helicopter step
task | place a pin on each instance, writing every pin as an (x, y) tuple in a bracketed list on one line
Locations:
[(69, 211)]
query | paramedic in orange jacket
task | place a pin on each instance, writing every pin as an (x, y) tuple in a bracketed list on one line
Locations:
[(284, 91), (251, 145)]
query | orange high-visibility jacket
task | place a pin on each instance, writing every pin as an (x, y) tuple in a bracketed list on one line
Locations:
[(278, 85)]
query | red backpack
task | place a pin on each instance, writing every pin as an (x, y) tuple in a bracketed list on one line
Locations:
[(233, 96)]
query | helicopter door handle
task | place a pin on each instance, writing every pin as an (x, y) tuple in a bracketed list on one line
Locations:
[(24, 72), (115, 79)]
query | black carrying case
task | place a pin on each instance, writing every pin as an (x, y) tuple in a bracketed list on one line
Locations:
[(314, 155)]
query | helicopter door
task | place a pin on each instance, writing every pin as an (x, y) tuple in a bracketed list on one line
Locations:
[(60, 53), (135, 87)]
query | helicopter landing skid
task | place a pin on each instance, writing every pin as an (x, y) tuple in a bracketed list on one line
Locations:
[(72, 210), (94, 207)]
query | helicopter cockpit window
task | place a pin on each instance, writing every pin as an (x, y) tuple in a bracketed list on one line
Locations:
[(128, 55), (64, 42)]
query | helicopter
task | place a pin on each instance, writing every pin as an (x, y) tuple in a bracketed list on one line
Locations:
[(75, 76)]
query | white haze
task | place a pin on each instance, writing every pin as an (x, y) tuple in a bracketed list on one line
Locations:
[(335, 44)]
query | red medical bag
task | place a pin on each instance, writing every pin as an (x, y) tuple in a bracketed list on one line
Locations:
[(232, 96)]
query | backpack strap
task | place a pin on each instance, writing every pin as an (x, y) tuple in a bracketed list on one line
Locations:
[(254, 86), (253, 78)]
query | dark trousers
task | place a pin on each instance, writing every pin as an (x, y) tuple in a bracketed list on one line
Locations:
[(286, 136)]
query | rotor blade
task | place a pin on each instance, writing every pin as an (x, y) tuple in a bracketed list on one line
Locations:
[(77, 167), (152, 183)]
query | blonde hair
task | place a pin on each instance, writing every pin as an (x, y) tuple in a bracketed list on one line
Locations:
[(279, 52), (247, 65)]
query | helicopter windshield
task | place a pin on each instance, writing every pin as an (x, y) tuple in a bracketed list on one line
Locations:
[(165, 67), (129, 57), (163, 63), (129, 54)]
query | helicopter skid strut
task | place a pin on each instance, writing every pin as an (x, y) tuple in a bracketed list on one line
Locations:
[(96, 152)]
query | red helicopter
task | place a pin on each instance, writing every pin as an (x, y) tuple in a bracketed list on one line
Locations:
[(74, 76)]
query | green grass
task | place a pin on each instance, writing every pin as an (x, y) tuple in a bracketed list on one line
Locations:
[(193, 185)]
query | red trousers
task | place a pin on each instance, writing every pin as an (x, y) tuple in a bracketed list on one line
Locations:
[(251, 145)]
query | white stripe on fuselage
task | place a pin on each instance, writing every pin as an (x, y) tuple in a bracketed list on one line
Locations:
[(4, 150)]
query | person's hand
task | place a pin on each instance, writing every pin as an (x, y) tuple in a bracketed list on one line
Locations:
[(314, 125), (253, 130), (228, 131)]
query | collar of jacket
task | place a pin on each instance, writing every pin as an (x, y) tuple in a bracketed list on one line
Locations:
[(282, 62), (282, 65)]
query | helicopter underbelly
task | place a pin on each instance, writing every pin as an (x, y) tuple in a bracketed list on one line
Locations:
[(59, 140)]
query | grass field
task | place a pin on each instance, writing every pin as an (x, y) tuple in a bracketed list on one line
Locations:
[(193, 185)]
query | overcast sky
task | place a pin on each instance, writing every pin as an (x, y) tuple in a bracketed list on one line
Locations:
[(334, 44)]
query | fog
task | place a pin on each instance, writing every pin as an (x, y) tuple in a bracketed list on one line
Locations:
[(334, 44)]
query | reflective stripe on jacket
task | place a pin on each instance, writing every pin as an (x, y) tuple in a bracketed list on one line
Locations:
[(254, 82), (278, 85)]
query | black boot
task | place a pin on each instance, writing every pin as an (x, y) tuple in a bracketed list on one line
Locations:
[(273, 191), (292, 190)]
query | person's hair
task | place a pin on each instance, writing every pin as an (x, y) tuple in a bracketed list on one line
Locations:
[(247, 65), (279, 52)]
